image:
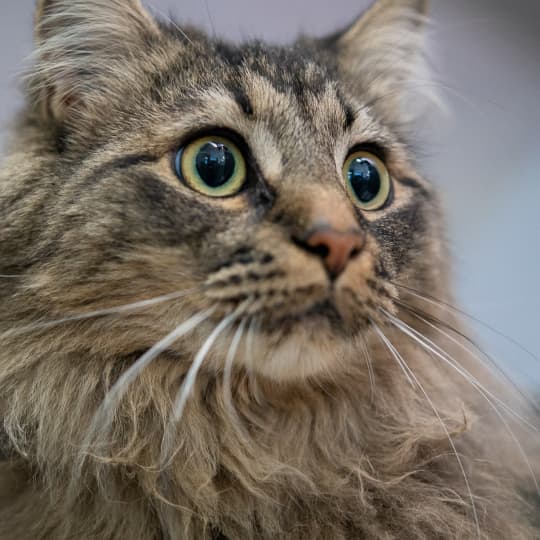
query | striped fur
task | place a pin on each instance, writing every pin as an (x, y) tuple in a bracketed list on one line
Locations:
[(310, 430)]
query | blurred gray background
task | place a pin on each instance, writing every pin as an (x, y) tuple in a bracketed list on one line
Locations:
[(484, 153)]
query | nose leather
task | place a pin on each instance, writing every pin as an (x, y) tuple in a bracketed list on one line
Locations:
[(336, 248)]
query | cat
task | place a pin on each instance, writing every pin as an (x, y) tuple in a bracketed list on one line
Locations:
[(225, 302)]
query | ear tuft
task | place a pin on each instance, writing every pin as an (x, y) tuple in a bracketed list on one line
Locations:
[(80, 46)]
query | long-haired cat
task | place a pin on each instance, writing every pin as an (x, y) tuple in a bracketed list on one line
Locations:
[(225, 305)]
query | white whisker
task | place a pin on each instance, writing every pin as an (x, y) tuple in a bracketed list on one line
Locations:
[(135, 306), (401, 361), (250, 342), (103, 417), (210, 19), (227, 386), (187, 385), (250, 360), (480, 389), (432, 347), (169, 19), (394, 352), (474, 349), (369, 364), (104, 414), (453, 309)]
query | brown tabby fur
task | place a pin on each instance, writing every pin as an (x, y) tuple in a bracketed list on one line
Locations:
[(317, 433)]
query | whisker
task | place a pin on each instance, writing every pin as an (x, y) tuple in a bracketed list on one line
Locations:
[(431, 346), (135, 306), (104, 415), (401, 362), (440, 303), (227, 385), (250, 360), (369, 364), (249, 341), (189, 380), (210, 19), (394, 352), (466, 97), (187, 385), (470, 378), (170, 20), (120, 387), (515, 440), (475, 350)]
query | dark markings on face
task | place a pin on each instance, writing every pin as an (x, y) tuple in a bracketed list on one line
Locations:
[(414, 184), (131, 206), (349, 112), (381, 271), (169, 216), (233, 56), (122, 162), (109, 168), (400, 232), (137, 209), (285, 68), (243, 100)]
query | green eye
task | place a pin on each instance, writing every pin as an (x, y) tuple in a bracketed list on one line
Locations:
[(212, 166), (367, 180)]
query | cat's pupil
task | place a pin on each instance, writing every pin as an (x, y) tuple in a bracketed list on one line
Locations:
[(364, 179), (215, 164)]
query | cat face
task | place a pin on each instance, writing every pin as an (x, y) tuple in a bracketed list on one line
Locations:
[(267, 186)]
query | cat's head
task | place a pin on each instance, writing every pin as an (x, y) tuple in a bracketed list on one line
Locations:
[(272, 188)]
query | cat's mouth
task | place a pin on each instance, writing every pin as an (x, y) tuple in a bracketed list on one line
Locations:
[(322, 312), (332, 316), (315, 308)]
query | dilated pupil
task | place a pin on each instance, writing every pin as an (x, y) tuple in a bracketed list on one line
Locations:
[(365, 179), (215, 164)]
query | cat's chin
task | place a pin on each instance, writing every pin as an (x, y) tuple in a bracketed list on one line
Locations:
[(311, 346), (302, 356)]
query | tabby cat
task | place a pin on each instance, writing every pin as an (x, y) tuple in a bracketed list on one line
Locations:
[(225, 296)]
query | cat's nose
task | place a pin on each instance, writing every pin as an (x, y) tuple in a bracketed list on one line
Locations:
[(336, 248)]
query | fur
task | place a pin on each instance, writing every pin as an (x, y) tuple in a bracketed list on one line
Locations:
[(178, 367)]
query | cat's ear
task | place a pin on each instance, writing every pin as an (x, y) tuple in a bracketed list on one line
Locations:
[(81, 49), (382, 53)]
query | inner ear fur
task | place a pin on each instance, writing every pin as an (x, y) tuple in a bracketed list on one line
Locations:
[(79, 46), (382, 53)]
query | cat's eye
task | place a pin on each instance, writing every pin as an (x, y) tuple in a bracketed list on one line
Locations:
[(367, 180), (213, 166)]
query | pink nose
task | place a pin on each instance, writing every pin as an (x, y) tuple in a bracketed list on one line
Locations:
[(336, 248)]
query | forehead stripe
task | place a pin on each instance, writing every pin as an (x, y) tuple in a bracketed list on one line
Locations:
[(241, 97)]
